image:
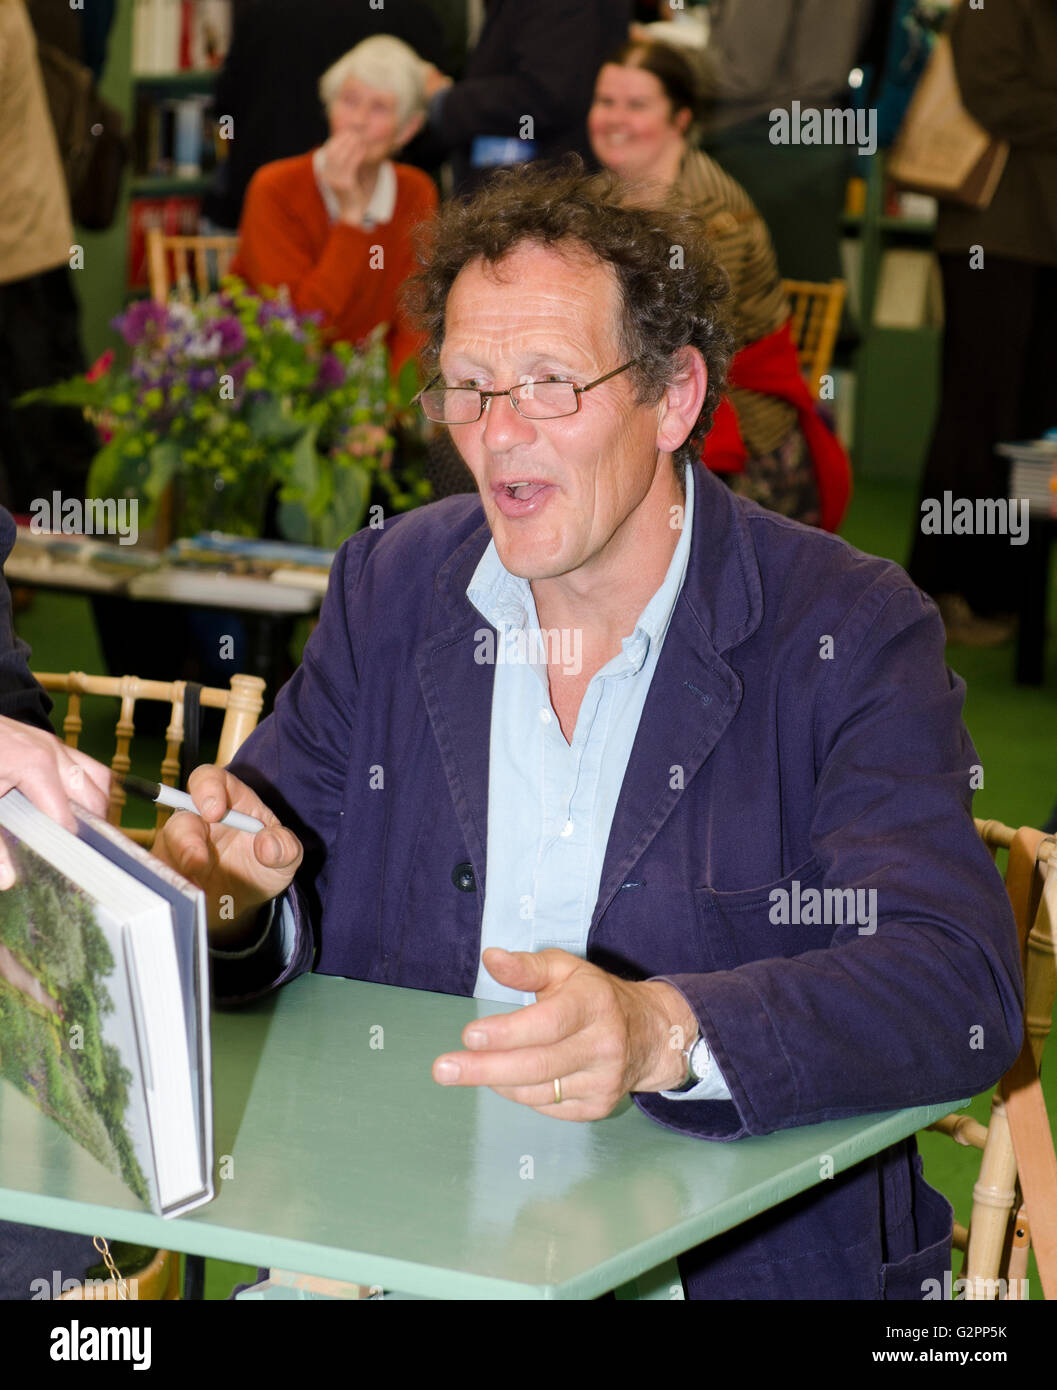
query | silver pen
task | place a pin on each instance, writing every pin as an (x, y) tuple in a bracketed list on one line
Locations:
[(162, 795)]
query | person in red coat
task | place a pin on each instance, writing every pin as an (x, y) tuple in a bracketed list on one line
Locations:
[(335, 225)]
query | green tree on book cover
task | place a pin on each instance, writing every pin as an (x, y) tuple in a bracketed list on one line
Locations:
[(54, 960)]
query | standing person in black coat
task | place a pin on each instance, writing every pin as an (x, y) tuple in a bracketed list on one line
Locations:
[(270, 78), (528, 85), (999, 265)]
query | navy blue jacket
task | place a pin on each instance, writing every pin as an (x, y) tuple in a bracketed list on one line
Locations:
[(837, 763)]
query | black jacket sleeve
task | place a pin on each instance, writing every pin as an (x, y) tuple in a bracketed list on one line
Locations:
[(20, 696), (536, 60)]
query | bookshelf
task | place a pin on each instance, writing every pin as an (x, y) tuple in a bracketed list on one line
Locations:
[(152, 190)]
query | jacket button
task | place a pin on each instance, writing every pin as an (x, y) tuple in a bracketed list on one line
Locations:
[(463, 878)]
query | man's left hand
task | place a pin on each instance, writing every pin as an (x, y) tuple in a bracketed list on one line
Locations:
[(599, 1035)]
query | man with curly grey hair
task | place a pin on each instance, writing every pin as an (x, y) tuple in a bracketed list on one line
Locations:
[(683, 778)]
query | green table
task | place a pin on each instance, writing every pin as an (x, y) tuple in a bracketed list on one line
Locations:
[(346, 1160)]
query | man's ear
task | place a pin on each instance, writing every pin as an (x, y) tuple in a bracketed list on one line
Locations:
[(409, 130), (682, 401)]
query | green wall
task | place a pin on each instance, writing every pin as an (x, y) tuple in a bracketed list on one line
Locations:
[(101, 284)]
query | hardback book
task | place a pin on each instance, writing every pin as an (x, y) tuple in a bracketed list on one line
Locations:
[(909, 293), (104, 1001)]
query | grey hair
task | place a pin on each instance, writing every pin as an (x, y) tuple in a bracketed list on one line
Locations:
[(384, 62)]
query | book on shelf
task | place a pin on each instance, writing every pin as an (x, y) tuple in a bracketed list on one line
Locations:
[(909, 290), (104, 1001), (179, 35), (176, 216), (174, 136)]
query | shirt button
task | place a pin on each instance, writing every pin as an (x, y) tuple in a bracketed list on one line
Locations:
[(567, 829), (545, 716)]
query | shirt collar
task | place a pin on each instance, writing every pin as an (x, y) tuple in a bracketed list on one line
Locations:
[(383, 200), (505, 600)]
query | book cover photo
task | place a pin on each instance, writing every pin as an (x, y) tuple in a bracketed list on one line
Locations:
[(104, 1002)]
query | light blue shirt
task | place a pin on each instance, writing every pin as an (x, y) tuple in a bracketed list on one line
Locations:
[(551, 803)]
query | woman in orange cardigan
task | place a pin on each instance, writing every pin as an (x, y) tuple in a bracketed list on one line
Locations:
[(335, 225)]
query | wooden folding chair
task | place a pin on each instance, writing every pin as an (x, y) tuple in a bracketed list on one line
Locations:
[(1015, 1197), (816, 310), (242, 705), (192, 266)]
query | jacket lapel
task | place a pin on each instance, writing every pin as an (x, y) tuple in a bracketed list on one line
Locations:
[(694, 693), (458, 694)]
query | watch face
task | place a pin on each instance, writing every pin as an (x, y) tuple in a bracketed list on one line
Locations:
[(700, 1056)]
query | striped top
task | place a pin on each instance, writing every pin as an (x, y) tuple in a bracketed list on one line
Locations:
[(743, 246)]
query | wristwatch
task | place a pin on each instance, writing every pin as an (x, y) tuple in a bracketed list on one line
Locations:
[(698, 1058)]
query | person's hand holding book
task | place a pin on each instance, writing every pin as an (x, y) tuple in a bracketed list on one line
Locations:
[(239, 872), (51, 775)]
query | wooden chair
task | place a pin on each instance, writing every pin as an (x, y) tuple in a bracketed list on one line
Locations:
[(197, 264), (816, 310), (996, 1246), (242, 705)]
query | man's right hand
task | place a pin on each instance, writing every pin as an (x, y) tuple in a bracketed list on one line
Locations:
[(238, 871), (342, 158)]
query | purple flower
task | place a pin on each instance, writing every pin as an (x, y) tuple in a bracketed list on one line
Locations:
[(202, 378), (232, 335), (331, 372), (271, 311), (141, 319)]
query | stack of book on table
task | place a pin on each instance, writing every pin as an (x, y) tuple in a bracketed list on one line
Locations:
[(208, 568), (1033, 473)]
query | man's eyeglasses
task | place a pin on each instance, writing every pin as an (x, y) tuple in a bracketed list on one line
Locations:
[(535, 400)]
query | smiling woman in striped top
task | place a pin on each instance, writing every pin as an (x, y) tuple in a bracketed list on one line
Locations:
[(768, 441)]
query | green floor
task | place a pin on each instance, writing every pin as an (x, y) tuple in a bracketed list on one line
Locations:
[(1012, 726)]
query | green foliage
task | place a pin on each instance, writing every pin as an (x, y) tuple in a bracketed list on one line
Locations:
[(239, 395)]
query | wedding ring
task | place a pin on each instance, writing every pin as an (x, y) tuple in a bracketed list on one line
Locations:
[(557, 1091)]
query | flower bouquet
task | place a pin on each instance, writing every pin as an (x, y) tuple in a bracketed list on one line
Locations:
[(234, 397)]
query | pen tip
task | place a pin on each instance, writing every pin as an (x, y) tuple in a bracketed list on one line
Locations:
[(138, 786)]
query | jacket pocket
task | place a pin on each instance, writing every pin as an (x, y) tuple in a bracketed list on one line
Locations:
[(784, 918), (922, 1274)]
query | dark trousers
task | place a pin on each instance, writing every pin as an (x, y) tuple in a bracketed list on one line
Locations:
[(42, 447), (31, 1254), (999, 384)]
